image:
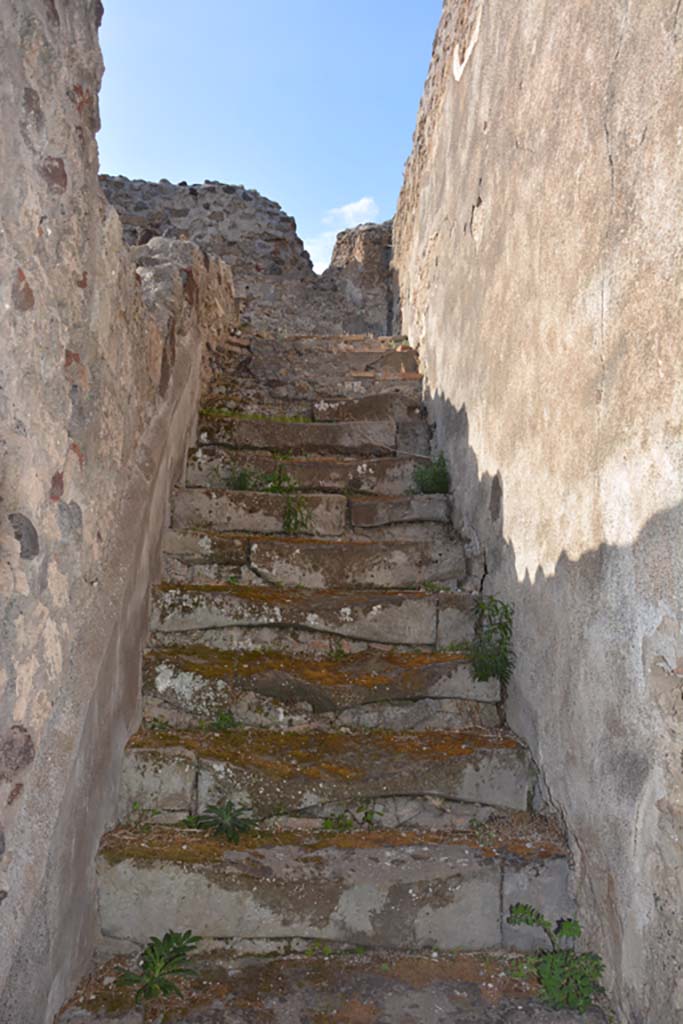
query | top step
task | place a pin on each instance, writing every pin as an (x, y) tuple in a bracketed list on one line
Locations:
[(276, 362), (313, 369)]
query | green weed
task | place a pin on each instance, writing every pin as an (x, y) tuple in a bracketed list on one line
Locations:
[(224, 721), (296, 517), (569, 980), (224, 820), (433, 478), (491, 653), (162, 960), (342, 822)]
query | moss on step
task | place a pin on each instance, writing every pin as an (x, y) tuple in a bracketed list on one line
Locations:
[(278, 595), (344, 670), (517, 835), (221, 979), (318, 755)]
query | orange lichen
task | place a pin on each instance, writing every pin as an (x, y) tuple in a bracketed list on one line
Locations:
[(320, 754), (247, 984), (394, 669), (519, 835)]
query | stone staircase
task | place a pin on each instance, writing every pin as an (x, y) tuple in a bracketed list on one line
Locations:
[(311, 597)]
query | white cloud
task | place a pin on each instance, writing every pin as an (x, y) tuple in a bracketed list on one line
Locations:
[(348, 216)]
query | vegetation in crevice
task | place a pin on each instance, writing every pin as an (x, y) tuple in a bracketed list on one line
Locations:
[(569, 980), (490, 652), (226, 820), (296, 517), (277, 481), (163, 960), (433, 477)]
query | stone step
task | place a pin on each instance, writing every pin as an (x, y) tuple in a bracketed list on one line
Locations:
[(272, 363), (213, 466), (380, 616), (256, 395), (374, 437), (388, 405), (307, 343), (259, 511), (386, 889), (391, 689), (329, 982), (365, 564), (302, 773), (193, 556), (367, 512)]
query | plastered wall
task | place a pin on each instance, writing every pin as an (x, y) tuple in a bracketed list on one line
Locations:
[(538, 246)]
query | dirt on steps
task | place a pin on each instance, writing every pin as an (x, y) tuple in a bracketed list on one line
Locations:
[(326, 984)]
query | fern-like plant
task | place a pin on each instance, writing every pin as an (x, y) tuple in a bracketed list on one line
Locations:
[(569, 980), (491, 651), (163, 960), (296, 517), (225, 820), (433, 478)]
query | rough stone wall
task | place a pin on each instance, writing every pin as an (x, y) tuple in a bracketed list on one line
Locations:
[(99, 383), (539, 244), (279, 291)]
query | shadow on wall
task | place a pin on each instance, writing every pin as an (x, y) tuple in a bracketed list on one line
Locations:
[(597, 695)]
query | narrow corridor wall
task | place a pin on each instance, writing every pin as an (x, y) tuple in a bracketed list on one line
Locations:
[(539, 246), (102, 354)]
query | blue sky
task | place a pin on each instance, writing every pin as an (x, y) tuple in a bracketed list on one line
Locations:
[(312, 102)]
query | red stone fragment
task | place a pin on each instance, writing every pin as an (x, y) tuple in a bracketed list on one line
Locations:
[(22, 293), (57, 486)]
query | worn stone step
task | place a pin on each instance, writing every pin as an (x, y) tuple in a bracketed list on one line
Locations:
[(258, 511), (292, 772), (385, 889), (381, 616), (194, 556), (374, 437), (388, 405), (307, 343), (213, 466), (256, 395), (372, 511), (326, 983), (269, 689), (273, 364), (321, 564)]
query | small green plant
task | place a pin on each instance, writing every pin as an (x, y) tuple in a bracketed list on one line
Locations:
[(336, 650), (162, 960), (482, 830), (569, 980), (223, 722), (241, 479), (369, 815), (433, 478), (492, 653), (342, 822), (318, 948), (158, 725), (434, 587), (224, 820), (278, 481), (296, 517)]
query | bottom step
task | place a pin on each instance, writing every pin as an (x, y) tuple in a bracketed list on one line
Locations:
[(382, 889), (327, 987)]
